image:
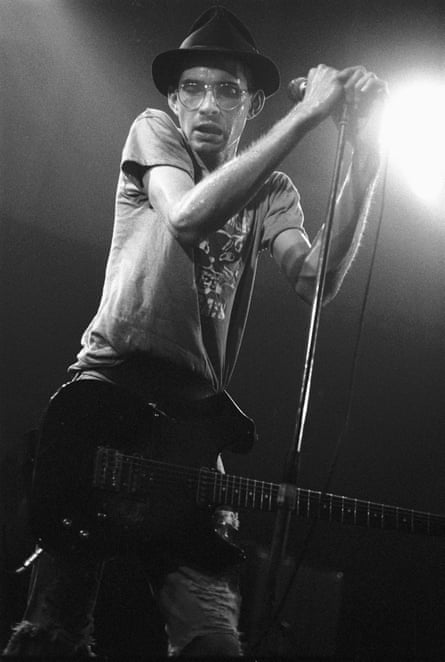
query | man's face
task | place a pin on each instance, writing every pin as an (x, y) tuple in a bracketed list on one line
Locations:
[(212, 131)]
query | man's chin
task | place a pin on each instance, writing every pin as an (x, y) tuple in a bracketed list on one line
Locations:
[(206, 148), (212, 143)]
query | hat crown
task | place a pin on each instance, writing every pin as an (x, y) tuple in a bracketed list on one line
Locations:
[(219, 28), (217, 32)]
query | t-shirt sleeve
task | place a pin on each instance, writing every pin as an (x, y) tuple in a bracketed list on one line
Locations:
[(154, 140), (283, 209)]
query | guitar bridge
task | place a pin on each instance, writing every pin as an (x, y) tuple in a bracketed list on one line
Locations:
[(108, 469)]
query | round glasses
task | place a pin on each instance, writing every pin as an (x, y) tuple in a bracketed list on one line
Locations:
[(228, 96)]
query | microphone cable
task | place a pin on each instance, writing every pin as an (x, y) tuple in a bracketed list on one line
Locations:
[(340, 439)]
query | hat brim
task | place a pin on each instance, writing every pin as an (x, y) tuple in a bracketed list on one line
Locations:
[(165, 67)]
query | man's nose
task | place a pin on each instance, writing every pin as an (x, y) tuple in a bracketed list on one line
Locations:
[(209, 101)]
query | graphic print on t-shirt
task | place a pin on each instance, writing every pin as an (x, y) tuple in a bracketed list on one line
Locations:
[(219, 264)]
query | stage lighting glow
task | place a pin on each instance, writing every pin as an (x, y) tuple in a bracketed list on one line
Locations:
[(414, 132)]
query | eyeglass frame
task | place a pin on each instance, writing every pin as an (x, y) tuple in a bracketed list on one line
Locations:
[(211, 86)]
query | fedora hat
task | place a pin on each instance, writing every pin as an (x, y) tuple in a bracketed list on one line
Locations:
[(217, 32)]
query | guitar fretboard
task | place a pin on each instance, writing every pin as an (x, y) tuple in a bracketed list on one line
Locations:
[(137, 476), (259, 495)]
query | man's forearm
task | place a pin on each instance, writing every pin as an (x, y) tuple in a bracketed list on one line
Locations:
[(351, 213), (220, 195), (351, 209)]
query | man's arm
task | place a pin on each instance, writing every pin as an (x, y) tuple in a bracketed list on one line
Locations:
[(299, 261), (352, 206), (194, 211)]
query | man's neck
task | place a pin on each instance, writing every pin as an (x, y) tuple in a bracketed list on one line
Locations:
[(213, 161)]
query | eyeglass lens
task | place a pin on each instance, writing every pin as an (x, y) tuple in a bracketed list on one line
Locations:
[(227, 95)]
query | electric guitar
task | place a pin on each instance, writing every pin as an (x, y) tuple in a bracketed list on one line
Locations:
[(114, 473)]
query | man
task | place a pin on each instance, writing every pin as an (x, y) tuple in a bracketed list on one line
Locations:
[(191, 218)]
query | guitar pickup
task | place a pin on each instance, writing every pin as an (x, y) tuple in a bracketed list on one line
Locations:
[(108, 469)]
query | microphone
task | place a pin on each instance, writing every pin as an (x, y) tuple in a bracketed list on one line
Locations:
[(296, 89)]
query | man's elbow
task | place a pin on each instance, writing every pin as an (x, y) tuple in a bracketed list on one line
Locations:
[(184, 230), (306, 288)]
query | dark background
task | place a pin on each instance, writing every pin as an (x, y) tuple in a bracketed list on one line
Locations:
[(74, 75)]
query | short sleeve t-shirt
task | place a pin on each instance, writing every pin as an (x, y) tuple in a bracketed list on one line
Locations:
[(187, 305)]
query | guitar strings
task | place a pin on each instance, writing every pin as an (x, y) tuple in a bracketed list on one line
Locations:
[(263, 495)]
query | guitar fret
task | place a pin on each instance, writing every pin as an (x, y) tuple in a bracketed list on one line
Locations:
[(387, 518), (214, 488), (268, 495), (319, 505), (421, 523), (235, 491), (215, 478), (229, 489), (345, 512), (391, 518), (374, 520), (251, 492), (222, 491), (257, 498), (404, 524), (136, 476)]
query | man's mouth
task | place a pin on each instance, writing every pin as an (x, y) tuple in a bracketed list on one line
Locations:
[(209, 129)]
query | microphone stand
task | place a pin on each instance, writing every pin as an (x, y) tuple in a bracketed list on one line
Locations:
[(286, 501)]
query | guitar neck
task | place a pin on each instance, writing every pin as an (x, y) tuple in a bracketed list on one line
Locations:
[(247, 493), (124, 473)]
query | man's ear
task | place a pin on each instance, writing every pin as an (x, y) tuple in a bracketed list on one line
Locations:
[(172, 99), (256, 104)]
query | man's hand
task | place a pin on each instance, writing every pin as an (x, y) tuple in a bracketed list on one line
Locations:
[(328, 89), (365, 95), (324, 90), (361, 88)]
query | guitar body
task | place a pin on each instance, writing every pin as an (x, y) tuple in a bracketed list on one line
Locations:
[(114, 474)]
